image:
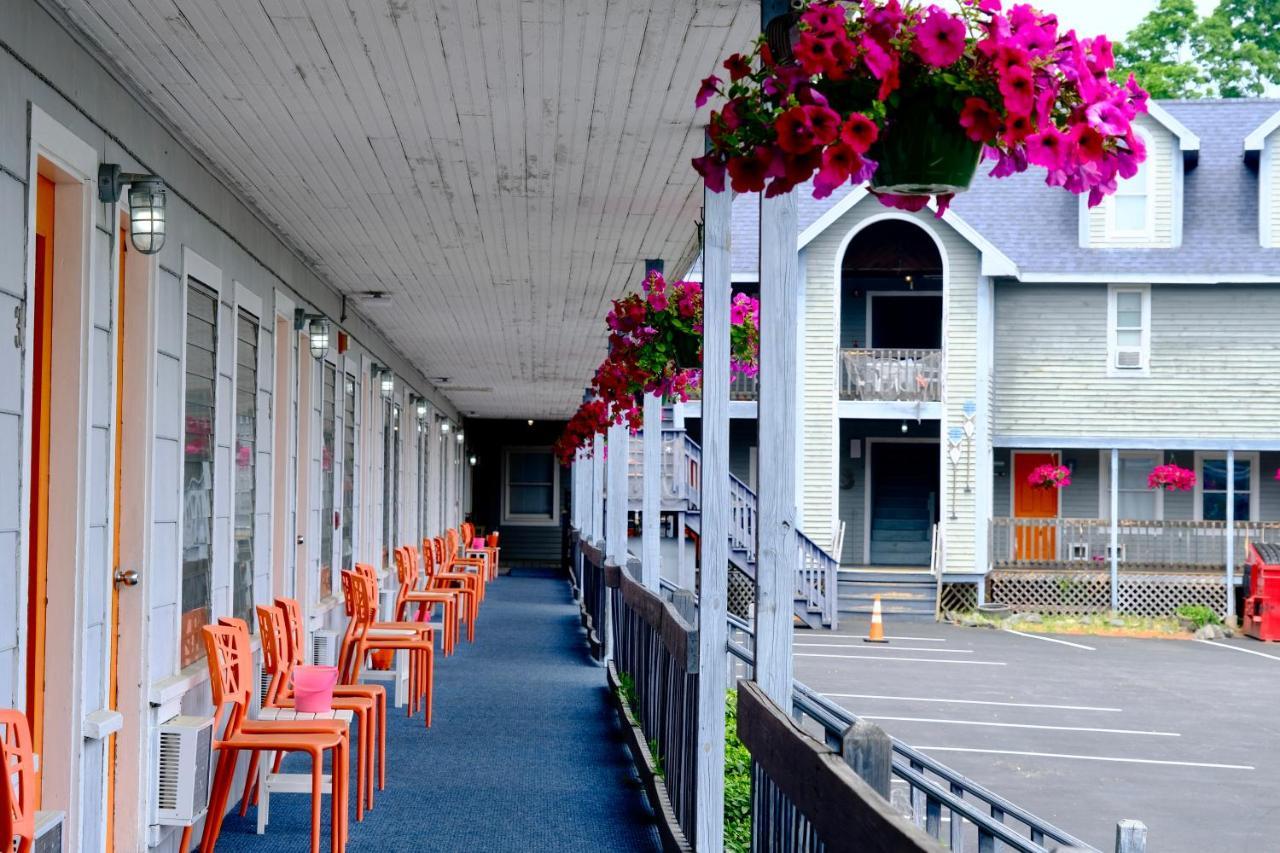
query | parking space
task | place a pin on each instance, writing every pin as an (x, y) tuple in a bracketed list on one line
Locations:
[(1083, 731)]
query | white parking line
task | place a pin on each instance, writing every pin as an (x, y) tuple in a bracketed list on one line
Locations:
[(970, 702), (871, 646), (1238, 649), (1052, 640), (1112, 758), (1021, 726), (887, 637), (895, 660)]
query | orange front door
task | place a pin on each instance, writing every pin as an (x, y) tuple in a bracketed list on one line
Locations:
[(115, 542), (41, 387), (1034, 542)]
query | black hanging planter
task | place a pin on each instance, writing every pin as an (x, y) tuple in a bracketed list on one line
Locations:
[(923, 150), (687, 351)]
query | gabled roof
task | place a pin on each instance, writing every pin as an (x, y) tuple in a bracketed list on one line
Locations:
[(1257, 139)]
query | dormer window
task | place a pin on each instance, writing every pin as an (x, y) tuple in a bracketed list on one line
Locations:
[(1130, 212)]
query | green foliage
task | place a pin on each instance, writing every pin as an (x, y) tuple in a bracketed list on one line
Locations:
[(658, 769), (627, 690), (1198, 614), (737, 782), (1232, 52)]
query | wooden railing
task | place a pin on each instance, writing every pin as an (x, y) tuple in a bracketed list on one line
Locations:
[(656, 648), (1086, 542), (593, 595), (907, 375)]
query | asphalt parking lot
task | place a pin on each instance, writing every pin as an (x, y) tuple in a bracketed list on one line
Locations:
[(1082, 731)]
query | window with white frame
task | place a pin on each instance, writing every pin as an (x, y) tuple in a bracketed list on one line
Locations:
[(531, 483), (246, 465), (1211, 486), (1128, 329), (1130, 210), (198, 466), (1136, 501)]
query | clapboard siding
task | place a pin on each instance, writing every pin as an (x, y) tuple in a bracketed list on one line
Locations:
[(818, 505), (1164, 164), (12, 272), (1213, 351), (1269, 187)]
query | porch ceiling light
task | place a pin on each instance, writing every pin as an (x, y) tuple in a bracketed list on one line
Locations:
[(146, 204), (460, 436), (444, 427), (317, 326), (471, 460)]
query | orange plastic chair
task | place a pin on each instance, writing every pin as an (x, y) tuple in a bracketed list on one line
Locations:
[(291, 611), (277, 663), (18, 783), (409, 574), (457, 560), (230, 678), (469, 583), (365, 635), (489, 553)]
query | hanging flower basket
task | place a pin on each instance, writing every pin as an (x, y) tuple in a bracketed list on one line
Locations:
[(939, 89), (1050, 477), (687, 350), (1171, 478)]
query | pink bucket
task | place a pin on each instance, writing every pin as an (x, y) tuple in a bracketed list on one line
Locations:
[(313, 688), (477, 543)]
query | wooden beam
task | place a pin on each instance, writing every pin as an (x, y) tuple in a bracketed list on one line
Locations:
[(714, 539), (777, 546), (651, 520), (616, 504)]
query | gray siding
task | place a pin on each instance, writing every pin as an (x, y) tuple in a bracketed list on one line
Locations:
[(1213, 351)]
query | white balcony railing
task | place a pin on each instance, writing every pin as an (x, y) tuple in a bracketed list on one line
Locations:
[(908, 375)]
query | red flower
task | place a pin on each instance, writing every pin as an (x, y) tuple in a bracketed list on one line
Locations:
[(981, 123), (859, 132), (825, 123), (813, 52), (738, 67), (711, 168), (748, 174), (1016, 129), (1009, 57), (1088, 144), (1018, 89), (795, 132), (709, 87), (839, 162), (826, 19), (940, 38)]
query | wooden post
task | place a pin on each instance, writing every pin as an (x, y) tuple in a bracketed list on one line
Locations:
[(1231, 537), (867, 749), (1115, 529), (777, 550), (616, 517), (597, 490), (1131, 836), (651, 507), (714, 582)]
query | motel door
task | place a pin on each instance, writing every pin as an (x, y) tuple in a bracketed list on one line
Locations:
[(1033, 542)]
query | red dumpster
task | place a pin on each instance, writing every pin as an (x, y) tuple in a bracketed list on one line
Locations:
[(1262, 606)]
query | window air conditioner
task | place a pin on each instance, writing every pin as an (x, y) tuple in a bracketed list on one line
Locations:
[(1128, 359), (324, 648), (182, 776), (49, 832)]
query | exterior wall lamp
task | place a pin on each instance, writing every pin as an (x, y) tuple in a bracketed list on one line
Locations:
[(317, 326), (420, 404), (460, 436), (386, 380), (444, 427), (471, 460), (146, 204)]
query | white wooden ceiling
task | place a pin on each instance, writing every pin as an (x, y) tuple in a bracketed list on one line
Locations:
[(500, 167)]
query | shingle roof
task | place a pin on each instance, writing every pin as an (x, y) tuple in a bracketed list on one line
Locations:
[(1037, 225)]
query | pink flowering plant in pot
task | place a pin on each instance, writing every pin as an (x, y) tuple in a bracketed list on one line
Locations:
[(1172, 478), (909, 97), (1050, 477)]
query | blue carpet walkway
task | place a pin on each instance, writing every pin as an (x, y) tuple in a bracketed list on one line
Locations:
[(523, 752)]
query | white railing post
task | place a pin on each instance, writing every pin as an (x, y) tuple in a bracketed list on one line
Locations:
[(776, 554), (615, 536), (1231, 536), (714, 539), (1115, 528), (597, 489), (651, 496)]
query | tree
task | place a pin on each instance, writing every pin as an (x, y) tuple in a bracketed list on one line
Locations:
[(1233, 52)]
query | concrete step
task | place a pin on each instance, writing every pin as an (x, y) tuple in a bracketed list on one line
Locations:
[(900, 534), (885, 575), (899, 511), (919, 525)]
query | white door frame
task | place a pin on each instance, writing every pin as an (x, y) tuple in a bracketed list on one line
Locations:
[(869, 442)]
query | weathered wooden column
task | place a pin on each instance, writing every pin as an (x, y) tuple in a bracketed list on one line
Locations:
[(714, 542), (777, 549), (651, 501), (1231, 537)]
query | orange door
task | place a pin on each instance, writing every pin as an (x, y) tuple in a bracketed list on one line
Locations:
[(41, 364), (114, 695), (1034, 542)]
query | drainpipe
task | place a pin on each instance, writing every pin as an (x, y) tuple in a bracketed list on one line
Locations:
[(1231, 536)]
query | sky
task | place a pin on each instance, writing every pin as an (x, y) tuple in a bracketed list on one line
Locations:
[(1113, 18)]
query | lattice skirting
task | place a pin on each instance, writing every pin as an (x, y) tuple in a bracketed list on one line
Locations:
[(742, 594), (958, 597), (1081, 593)]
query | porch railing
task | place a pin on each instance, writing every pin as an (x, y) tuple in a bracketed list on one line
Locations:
[(906, 375), (1081, 543)]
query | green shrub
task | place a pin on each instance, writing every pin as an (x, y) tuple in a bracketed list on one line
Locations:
[(737, 782), (1198, 614), (627, 690)]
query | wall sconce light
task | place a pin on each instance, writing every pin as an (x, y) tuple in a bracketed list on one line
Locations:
[(317, 326), (146, 204), (530, 421), (459, 436), (386, 380), (421, 405), (444, 427), (471, 460)]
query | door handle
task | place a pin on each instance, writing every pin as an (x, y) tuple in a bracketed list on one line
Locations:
[(125, 577)]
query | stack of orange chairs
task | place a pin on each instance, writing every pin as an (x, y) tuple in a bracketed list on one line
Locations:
[(18, 783)]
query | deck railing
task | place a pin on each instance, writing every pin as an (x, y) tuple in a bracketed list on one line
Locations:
[(905, 375), (594, 595), (1080, 543)]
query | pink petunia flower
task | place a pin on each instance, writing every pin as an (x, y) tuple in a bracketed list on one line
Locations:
[(710, 86), (981, 123), (1048, 148), (825, 123), (839, 161), (795, 133), (940, 38), (859, 132), (712, 170)]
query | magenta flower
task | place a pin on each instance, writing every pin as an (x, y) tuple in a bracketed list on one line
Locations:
[(712, 170), (859, 132), (795, 133), (710, 86), (981, 123), (1047, 148), (1088, 144), (940, 38)]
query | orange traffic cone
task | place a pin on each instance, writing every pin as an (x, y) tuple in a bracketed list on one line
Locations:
[(876, 634)]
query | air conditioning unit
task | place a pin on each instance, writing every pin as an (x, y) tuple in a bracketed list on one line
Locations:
[(49, 832), (324, 648), (182, 777), (1129, 359), (264, 684)]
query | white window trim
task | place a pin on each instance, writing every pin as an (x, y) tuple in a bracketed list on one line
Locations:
[(1148, 231), (1254, 460), (526, 519), (1155, 457), (1112, 346)]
